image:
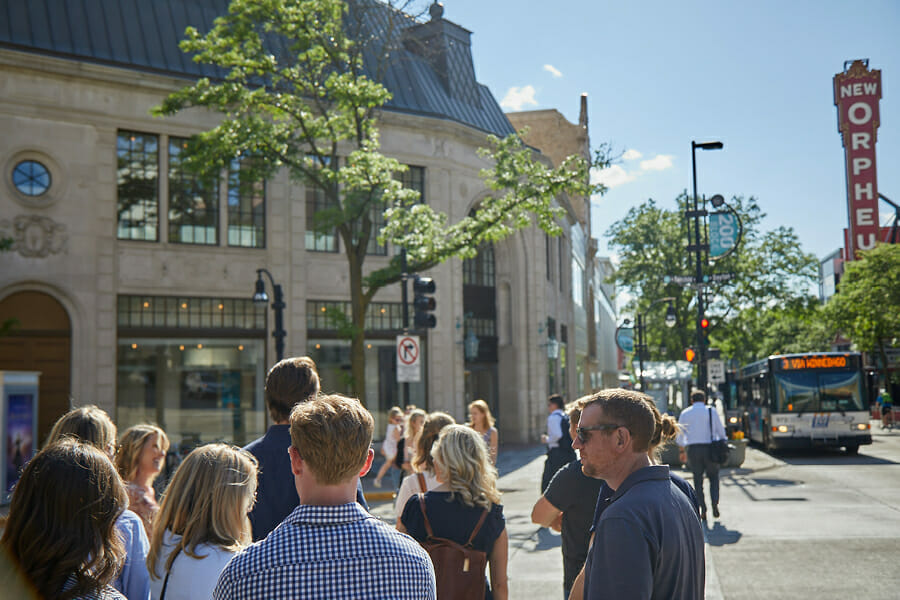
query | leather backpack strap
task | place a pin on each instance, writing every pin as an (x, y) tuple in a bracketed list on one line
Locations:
[(709, 414), (428, 529), (477, 527), (422, 486)]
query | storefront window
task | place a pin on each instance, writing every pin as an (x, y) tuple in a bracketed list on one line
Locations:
[(198, 390)]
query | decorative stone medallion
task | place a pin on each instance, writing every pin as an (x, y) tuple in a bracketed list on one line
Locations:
[(35, 236)]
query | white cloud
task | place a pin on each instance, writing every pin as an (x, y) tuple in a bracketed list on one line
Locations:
[(631, 154), (660, 162), (517, 98), (612, 177), (553, 70)]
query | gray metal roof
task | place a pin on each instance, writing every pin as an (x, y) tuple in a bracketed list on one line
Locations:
[(144, 34)]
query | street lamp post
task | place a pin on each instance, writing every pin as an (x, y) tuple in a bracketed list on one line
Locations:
[(261, 297), (671, 319), (698, 249)]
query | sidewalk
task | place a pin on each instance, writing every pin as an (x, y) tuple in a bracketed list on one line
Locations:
[(535, 559)]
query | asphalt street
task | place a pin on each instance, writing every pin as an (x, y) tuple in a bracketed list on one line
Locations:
[(803, 525)]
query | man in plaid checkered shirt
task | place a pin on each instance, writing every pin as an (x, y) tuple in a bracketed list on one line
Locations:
[(330, 547)]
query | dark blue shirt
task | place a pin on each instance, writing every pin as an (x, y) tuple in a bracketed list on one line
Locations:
[(648, 542), (276, 494)]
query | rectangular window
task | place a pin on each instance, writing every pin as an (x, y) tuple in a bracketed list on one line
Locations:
[(547, 253), (561, 256), (246, 207), (193, 201), (380, 316), (318, 239), (137, 179), (184, 312)]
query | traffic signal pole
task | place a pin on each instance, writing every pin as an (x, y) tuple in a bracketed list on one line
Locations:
[(698, 253), (404, 300)]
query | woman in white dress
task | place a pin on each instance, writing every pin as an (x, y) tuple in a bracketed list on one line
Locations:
[(202, 522), (482, 421)]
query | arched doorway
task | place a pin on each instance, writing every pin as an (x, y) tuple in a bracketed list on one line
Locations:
[(40, 340), (480, 308)]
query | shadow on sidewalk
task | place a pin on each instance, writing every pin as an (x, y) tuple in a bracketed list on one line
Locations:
[(513, 457)]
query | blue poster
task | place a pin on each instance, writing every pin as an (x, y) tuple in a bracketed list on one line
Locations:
[(19, 436)]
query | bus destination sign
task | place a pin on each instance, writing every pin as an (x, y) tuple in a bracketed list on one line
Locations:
[(793, 363)]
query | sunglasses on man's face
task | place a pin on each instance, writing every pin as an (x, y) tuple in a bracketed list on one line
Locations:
[(584, 433)]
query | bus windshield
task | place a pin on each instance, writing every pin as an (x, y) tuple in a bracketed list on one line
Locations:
[(818, 391)]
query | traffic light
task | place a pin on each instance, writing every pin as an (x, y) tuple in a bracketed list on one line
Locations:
[(704, 331), (423, 304), (689, 355)]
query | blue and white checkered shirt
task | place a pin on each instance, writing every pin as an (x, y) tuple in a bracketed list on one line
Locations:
[(330, 552)]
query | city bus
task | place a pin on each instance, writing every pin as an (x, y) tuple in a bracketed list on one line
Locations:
[(805, 401)]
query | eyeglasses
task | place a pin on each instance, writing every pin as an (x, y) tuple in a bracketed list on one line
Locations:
[(583, 433)]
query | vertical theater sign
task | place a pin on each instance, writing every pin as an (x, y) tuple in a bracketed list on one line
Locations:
[(856, 94)]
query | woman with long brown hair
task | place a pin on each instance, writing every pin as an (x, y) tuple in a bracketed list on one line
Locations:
[(61, 528), (91, 425), (202, 521)]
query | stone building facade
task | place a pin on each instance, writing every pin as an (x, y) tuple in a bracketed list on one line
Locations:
[(124, 302)]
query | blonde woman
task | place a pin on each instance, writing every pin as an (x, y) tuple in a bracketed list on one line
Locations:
[(467, 487), (142, 451), (91, 425), (482, 421), (411, 433), (202, 522), (422, 463)]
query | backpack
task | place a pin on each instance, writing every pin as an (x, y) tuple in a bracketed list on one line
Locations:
[(565, 442), (458, 569)]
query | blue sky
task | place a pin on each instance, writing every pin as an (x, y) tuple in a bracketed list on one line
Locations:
[(755, 75)]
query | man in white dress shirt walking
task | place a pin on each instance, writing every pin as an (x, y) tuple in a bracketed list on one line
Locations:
[(701, 425)]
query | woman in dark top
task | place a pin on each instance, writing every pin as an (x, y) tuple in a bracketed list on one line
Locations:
[(468, 486)]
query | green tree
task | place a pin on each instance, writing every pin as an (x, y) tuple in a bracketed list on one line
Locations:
[(866, 307), (772, 276), (301, 90)]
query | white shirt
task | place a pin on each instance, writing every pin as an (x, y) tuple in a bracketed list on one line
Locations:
[(189, 578), (410, 487), (696, 421), (554, 428)]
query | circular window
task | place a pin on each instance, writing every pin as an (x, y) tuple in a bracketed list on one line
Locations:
[(31, 178)]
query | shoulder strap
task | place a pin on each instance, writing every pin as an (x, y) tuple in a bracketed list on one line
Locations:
[(162, 594), (422, 486), (428, 529), (478, 525), (711, 435)]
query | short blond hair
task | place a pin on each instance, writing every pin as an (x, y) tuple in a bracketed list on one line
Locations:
[(206, 503), (332, 434), (134, 439)]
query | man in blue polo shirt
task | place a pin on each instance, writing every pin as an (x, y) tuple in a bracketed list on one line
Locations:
[(648, 542)]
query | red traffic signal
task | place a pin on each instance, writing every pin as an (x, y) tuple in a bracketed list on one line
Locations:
[(704, 323), (689, 355)]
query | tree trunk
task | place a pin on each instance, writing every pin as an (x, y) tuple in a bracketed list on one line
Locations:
[(358, 304)]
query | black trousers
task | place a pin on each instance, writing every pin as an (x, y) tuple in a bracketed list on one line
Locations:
[(699, 462)]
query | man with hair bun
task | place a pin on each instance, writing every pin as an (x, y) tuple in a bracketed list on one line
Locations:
[(288, 383), (329, 546), (648, 542)]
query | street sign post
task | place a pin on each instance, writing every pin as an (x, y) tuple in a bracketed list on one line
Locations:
[(408, 358)]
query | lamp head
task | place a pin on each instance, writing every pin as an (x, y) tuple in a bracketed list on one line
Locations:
[(671, 317), (717, 200), (260, 296), (709, 145)]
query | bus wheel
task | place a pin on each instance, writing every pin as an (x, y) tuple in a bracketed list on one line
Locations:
[(853, 449)]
